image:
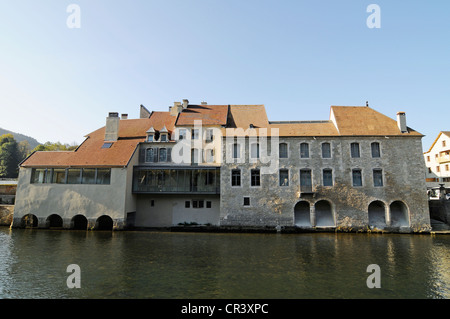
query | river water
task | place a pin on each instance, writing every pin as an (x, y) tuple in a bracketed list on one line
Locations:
[(33, 264)]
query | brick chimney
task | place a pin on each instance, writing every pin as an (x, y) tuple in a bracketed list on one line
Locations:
[(112, 127), (401, 122)]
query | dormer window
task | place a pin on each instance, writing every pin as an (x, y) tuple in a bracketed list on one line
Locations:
[(163, 135), (151, 134)]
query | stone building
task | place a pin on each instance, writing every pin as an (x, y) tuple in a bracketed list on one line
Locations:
[(229, 166)]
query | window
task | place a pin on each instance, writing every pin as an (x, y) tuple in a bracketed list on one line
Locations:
[(150, 155), (152, 202), (255, 177), (377, 177), (150, 138), (236, 151), (428, 158), (246, 201), (429, 169), (354, 149), (327, 177), (283, 150), (305, 178), (254, 150), (201, 203), (163, 137), (163, 154), (446, 167), (88, 176), (195, 133), (182, 134), (187, 204), (107, 145), (208, 204), (209, 135), (438, 169), (284, 177), (195, 156), (375, 147), (446, 179), (209, 155), (304, 150), (38, 175), (103, 176), (326, 150), (443, 143), (357, 177), (74, 176), (235, 177), (59, 176), (71, 175)]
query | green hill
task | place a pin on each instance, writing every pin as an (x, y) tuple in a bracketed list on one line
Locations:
[(20, 137)]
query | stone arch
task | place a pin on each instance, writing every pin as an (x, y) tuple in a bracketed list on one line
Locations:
[(302, 216), (399, 214), (324, 214), (377, 214), (54, 221), (104, 222), (29, 221), (79, 222)]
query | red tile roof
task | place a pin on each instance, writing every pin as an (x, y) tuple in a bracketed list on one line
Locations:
[(208, 114)]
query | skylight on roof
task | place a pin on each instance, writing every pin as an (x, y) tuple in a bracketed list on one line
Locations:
[(107, 145)]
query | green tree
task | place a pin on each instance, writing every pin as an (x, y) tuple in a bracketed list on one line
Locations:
[(58, 146), (9, 156)]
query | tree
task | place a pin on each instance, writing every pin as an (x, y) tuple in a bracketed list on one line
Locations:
[(9, 156), (58, 146)]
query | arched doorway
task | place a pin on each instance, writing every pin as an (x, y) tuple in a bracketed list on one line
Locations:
[(79, 222), (399, 214), (302, 214), (54, 221), (324, 214), (29, 221), (104, 223), (377, 214)]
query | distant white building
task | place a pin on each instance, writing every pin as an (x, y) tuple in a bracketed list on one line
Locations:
[(437, 160)]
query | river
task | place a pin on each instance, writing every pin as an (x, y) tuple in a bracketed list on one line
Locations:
[(129, 264)]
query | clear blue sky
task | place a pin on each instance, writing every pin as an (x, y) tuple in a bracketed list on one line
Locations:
[(295, 57)]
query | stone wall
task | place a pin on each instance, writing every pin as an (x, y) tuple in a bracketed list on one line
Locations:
[(6, 215), (401, 162)]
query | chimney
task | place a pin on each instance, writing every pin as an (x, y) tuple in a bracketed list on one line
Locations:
[(124, 116), (401, 122), (204, 103), (112, 127), (176, 108), (185, 103)]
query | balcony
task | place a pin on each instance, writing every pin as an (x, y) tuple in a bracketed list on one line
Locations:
[(444, 158), (306, 190), (176, 180)]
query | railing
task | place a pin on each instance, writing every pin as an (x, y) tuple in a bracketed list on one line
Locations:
[(306, 189), (176, 180), (443, 159)]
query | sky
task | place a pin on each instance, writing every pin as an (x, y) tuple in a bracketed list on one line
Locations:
[(63, 70)]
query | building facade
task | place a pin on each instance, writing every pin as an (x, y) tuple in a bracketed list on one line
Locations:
[(229, 166), (437, 160)]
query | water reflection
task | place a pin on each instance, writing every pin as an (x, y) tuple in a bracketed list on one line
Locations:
[(187, 265)]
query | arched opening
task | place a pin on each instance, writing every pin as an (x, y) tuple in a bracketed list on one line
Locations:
[(302, 214), (399, 214), (377, 214), (79, 222), (324, 214), (29, 221), (54, 221), (104, 223)]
